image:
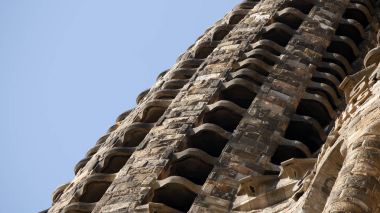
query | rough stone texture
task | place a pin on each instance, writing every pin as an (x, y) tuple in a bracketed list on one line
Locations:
[(275, 108)]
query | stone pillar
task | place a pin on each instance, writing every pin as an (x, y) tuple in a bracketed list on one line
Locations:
[(357, 188)]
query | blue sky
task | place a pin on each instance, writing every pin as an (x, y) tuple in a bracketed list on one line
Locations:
[(68, 68)]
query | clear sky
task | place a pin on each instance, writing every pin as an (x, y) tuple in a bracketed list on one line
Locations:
[(68, 68)]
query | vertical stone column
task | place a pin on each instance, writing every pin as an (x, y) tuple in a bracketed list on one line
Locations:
[(357, 188), (310, 26)]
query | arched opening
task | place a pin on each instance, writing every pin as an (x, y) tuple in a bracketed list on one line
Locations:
[(278, 33), (191, 168), (349, 30), (135, 135), (304, 6), (174, 195), (342, 48), (304, 132), (332, 69), (94, 191), (239, 95), (208, 141), (314, 109), (291, 17), (284, 153), (357, 14), (223, 117), (152, 113), (327, 78)]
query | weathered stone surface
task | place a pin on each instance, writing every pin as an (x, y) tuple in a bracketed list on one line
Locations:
[(275, 108)]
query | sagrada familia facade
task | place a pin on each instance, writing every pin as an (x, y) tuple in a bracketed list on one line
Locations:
[(275, 108)]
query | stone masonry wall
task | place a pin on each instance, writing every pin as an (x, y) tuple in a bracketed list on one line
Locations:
[(257, 116)]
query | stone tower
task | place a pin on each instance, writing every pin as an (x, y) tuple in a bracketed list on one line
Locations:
[(275, 108)]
